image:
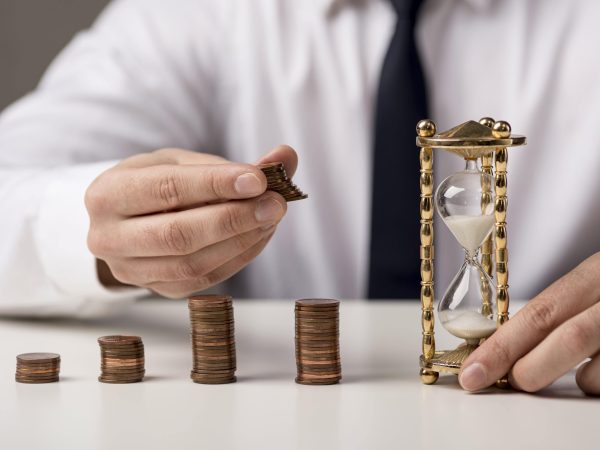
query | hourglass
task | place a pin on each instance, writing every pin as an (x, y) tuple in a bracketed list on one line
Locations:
[(473, 205)]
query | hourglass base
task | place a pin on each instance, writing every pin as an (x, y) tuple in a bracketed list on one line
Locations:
[(449, 361)]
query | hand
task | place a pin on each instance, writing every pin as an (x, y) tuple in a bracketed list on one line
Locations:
[(552, 334), (178, 222)]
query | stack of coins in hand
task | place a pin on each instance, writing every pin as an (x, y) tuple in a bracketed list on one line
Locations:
[(213, 339), (37, 368), (122, 359), (278, 181), (317, 341)]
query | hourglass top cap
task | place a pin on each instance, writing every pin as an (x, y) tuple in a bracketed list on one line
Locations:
[(470, 139)]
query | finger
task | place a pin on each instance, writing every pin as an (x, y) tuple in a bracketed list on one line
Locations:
[(168, 187), (568, 345), (180, 290), (143, 271), (186, 232), (190, 157), (588, 376), (285, 154), (170, 156), (568, 296)]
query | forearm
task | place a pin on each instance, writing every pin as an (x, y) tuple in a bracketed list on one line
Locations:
[(45, 266)]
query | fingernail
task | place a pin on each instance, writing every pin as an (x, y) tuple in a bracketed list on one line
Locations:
[(248, 184), (268, 210), (473, 377)]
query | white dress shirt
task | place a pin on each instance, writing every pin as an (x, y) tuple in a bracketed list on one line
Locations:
[(237, 77)]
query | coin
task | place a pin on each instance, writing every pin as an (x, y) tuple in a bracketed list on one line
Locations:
[(317, 341), (316, 303), (37, 368), (213, 339), (278, 181), (122, 359), (118, 381), (38, 357)]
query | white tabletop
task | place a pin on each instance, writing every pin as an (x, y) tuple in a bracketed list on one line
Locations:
[(379, 404)]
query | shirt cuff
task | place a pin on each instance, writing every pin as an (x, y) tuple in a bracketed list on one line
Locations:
[(61, 236)]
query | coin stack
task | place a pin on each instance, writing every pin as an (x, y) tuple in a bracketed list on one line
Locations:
[(278, 181), (37, 368), (122, 359), (317, 341), (213, 339)]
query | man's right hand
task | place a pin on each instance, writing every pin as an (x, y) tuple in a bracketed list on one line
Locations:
[(178, 222)]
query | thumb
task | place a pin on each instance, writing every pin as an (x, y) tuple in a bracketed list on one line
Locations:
[(285, 154)]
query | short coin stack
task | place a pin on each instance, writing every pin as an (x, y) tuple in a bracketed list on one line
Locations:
[(278, 181), (317, 341), (213, 339), (122, 359), (37, 368)]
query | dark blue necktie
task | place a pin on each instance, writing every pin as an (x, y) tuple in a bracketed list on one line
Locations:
[(401, 103)]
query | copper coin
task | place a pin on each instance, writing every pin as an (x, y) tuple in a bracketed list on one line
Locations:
[(39, 380), (119, 339), (123, 375), (124, 349), (335, 380), (203, 380), (226, 364), (302, 315), (317, 320), (120, 363), (21, 364), (210, 327), (38, 357), (213, 326), (305, 336), (199, 318), (313, 376), (217, 345), (320, 329), (318, 364), (122, 370), (327, 342), (228, 372), (203, 354), (120, 357), (36, 372), (317, 352), (115, 381), (317, 302), (214, 299), (214, 343), (27, 381), (307, 359)]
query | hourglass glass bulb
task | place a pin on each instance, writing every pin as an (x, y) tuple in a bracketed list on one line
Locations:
[(464, 200), (466, 209)]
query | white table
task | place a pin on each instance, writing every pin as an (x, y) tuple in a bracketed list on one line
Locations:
[(379, 404)]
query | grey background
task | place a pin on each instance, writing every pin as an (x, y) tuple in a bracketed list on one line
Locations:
[(32, 32)]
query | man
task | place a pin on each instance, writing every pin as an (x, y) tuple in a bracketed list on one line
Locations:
[(199, 78)]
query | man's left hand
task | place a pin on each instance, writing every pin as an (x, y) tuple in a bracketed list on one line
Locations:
[(553, 333)]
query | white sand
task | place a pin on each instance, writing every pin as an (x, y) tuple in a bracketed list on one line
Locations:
[(467, 324), (470, 231)]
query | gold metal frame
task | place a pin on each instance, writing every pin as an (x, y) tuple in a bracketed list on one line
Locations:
[(487, 141)]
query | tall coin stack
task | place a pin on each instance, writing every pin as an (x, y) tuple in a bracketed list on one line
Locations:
[(318, 341), (37, 368), (278, 181), (122, 359), (213, 339)]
